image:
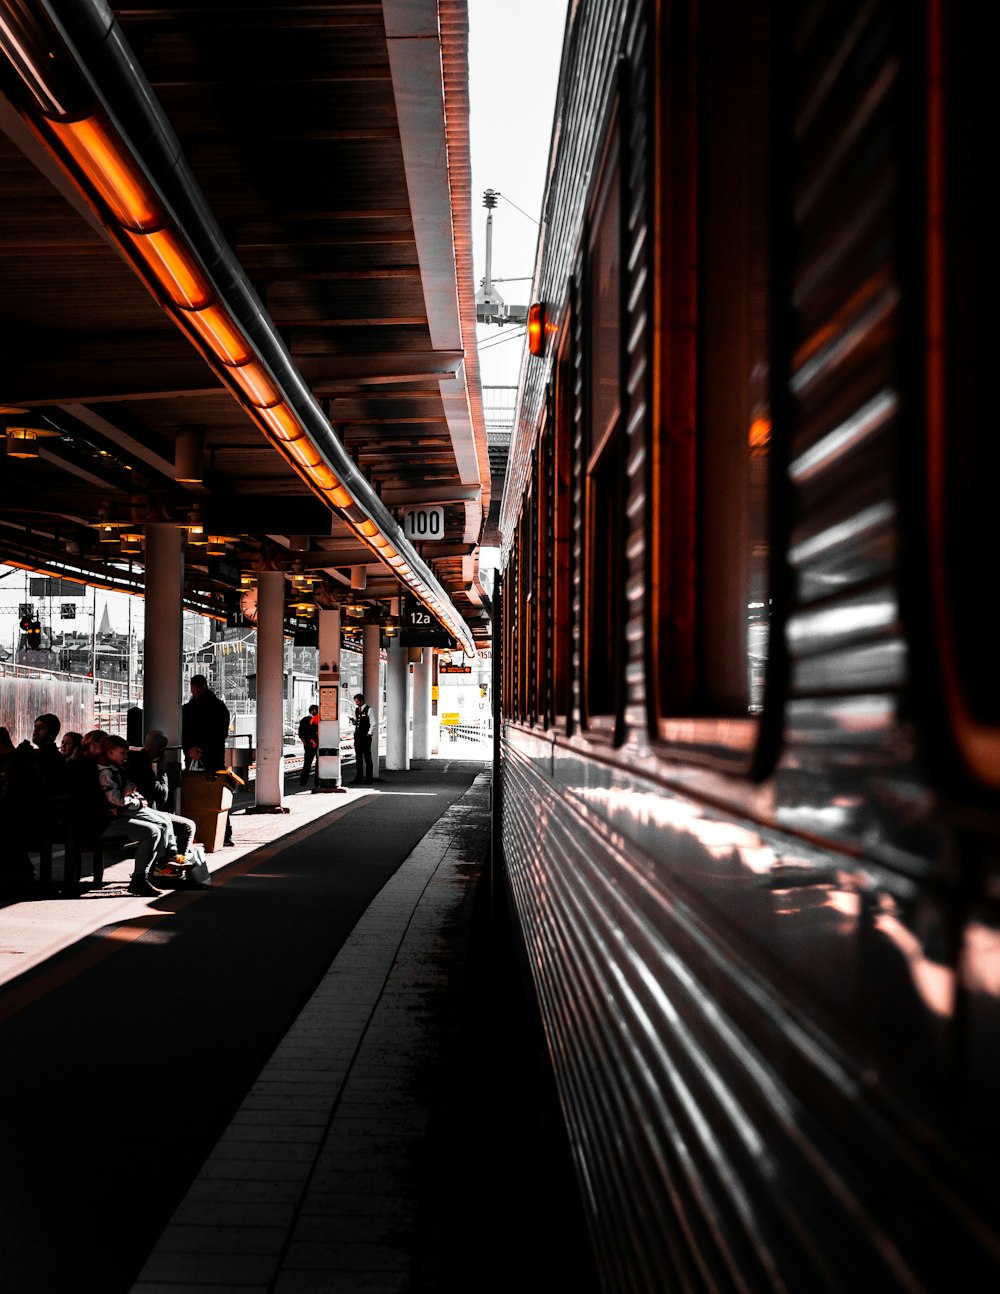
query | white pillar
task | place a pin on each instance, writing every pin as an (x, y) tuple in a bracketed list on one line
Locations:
[(164, 630), (397, 708), (331, 699), (371, 645), (270, 687), (423, 672)]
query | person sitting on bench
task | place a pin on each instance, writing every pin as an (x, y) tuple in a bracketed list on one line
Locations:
[(162, 838)]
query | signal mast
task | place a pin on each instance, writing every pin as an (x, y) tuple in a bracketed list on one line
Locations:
[(490, 305)]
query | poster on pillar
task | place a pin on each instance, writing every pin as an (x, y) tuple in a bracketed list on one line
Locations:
[(328, 697), (418, 628)]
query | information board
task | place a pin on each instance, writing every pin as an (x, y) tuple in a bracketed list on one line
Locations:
[(328, 698), (418, 628)]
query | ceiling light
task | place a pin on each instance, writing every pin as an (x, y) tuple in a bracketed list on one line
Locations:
[(22, 442), (189, 453), (195, 527)]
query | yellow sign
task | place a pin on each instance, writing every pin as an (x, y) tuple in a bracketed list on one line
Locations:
[(450, 720), (434, 692)]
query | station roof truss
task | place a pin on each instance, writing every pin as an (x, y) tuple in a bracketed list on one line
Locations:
[(236, 284)]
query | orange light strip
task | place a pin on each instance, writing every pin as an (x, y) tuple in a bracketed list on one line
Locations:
[(304, 452), (111, 170), (281, 422), (123, 188), (215, 328), (255, 384), (174, 268)]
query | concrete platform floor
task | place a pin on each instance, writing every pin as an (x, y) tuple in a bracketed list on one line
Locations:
[(317, 1076)]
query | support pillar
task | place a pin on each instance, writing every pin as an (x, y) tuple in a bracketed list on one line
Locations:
[(423, 671), (270, 689), (435, 704), (371, 646), (331, 701), (397, 707), (164, 630)]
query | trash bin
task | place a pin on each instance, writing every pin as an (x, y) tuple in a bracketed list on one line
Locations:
[(239, 756), (207, 798)]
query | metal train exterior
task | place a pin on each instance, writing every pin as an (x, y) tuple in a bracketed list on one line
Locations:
[(749, 754)]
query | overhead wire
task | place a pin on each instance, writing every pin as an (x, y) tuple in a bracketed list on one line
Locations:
[(499, 341)]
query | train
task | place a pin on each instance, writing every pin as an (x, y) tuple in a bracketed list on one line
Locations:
[(747, 781)]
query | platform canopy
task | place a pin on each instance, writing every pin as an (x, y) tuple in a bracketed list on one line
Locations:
[(236, 291)]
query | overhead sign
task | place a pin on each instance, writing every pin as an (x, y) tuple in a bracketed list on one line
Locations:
[(41, 586), (454, 669), (225, 570), (418, 628), (424, 523)]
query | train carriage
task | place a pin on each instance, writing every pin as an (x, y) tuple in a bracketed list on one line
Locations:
[(750, 733)]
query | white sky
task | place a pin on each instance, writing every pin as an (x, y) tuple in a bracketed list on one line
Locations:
[(514, 51)]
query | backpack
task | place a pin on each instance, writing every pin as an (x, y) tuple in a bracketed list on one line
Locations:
[(307, 729)]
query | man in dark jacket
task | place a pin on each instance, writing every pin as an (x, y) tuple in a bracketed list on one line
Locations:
[(309, 736), (204, 729), (50, 760), (205, 726)]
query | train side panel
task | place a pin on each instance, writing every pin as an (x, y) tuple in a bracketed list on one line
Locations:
[(752, 866)]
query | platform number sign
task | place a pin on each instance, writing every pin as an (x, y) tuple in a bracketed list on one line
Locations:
[(424, 523), (419, 628)]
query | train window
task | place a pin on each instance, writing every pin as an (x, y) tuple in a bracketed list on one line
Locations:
[(531, 596), (524, 577), (563, 425), (710, 558), (543, 619), (510, 649), (603, 450), (964, 450)]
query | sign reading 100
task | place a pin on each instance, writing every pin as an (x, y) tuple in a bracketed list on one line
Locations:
[(424, 523)]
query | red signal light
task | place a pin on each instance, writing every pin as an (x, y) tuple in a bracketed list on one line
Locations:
[(536, 328)]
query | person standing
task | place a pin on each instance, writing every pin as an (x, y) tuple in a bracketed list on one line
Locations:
[(205, 725), (362, 720), (309, 736), (204, 729)]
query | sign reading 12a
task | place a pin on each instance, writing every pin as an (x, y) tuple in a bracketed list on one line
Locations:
[(424, 523), (419, 628)]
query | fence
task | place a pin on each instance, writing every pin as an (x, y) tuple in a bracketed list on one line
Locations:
[(78, 703)]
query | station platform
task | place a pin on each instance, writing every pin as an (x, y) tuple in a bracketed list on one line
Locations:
[(300, 1079)]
